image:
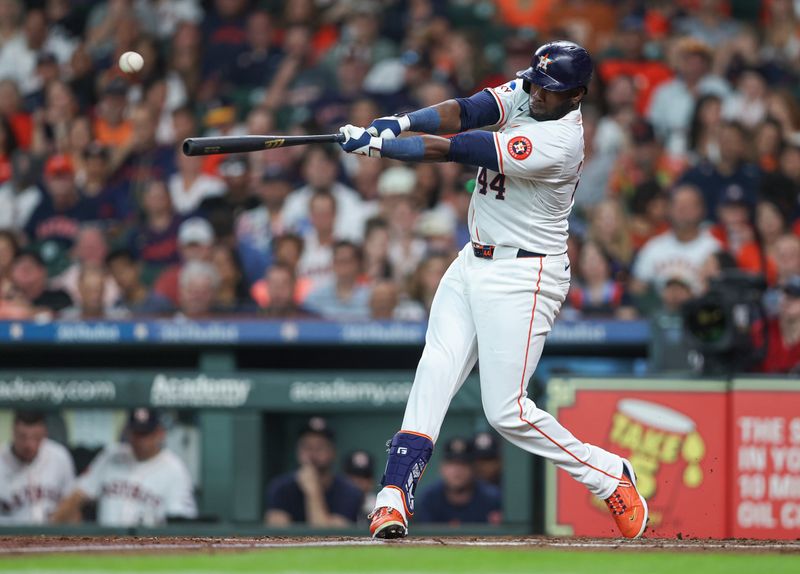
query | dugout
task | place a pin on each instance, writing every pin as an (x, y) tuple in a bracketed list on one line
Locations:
[(236, 394)]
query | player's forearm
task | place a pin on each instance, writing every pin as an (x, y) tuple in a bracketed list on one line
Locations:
[(449, 113), (474, 148), (317, 513), (455, 116), (448, 117), (69, 509)]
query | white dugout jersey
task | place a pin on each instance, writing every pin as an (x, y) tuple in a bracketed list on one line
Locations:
[(134, 493), (30, 492), (526, 203)]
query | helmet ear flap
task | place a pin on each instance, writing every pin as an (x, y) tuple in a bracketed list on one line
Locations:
[(526, 86)]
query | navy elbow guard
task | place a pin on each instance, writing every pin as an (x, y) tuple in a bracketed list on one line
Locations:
[(474, 148), (409, 454), (478, 110)]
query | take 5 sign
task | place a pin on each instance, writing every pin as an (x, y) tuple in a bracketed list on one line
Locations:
[(711, 462), (765, 433)]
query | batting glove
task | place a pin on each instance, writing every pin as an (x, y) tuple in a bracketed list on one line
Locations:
[(389, 127), (358, 141)]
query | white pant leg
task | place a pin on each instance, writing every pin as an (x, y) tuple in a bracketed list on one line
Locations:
[(448, 357), (515, 302), (449, 354)]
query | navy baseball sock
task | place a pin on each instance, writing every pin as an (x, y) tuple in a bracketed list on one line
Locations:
[(408, 455)]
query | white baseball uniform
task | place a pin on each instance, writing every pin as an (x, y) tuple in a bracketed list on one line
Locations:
[(138, 493), (30, 492), (500, 310)]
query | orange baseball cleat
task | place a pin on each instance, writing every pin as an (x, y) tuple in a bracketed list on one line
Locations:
[(387, 523), (628, 507)]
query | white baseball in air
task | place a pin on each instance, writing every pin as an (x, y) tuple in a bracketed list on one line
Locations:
[(131, 62)]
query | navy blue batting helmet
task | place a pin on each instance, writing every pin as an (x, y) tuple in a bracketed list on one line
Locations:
[(559, 66)]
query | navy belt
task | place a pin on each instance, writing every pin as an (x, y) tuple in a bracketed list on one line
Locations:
[(487, 252)]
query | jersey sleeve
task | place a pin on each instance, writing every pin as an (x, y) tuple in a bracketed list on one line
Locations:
[(91, 480), (532, 153), (508, 97), (67, 472), (181, 500)]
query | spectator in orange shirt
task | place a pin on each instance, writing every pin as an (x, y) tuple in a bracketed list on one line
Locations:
[(526, 14), (11, 109), (111, 128), (644, 161), (772, 224), (628, 59), (648, 213)]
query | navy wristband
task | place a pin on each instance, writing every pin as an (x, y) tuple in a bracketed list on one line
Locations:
[(406, 149), (426, 120)]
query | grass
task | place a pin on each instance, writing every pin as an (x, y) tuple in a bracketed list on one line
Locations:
[(408, 560)]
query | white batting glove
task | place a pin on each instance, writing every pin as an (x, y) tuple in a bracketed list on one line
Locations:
[(389, 127), (358, 141)]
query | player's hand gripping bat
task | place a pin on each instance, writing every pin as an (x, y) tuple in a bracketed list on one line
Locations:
[(241, 144)]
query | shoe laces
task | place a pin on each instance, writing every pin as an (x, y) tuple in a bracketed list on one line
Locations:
[(616, 504), (379, 512)]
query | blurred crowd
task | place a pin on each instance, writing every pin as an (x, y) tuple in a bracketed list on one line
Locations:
[(692, 134)]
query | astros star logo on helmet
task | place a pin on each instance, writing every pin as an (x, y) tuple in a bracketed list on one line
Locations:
[(544, 61)]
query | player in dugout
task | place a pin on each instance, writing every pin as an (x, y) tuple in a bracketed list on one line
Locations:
[(135, 483), (499, 299), (35, 472), (313, 494)]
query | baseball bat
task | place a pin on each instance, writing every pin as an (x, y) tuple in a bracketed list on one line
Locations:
[(241, 144)]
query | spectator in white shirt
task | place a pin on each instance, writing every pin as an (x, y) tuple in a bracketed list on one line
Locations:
[(19, 196), (320, 169), (316, 263), (190, 186), (673, 102), (681, 251)]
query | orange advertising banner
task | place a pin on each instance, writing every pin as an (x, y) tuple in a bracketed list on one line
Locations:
[(765, 459), (675, 435)]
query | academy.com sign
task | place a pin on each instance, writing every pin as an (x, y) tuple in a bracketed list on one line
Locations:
[(343, 392), (198, 391), (56, 391)]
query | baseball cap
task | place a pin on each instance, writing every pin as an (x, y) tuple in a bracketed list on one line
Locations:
[(680, 280), (233, 166), (642, 132), (458, 449), (95, 149), (734, 195), (274, 172), (359, 463), (792, 286), (434, 224), (317, 425), (116, 87), (31, 253), (59, 164), (485, 445), (46, 57), (220, 112), (195, 230), (397, 181), (143, 420)]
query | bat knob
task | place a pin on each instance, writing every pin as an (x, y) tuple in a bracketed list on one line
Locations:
[(189, 147)]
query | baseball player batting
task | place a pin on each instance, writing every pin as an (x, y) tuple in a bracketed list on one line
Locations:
[(500, 297)]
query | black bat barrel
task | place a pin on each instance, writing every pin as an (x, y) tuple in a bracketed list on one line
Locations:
[(243, 144)]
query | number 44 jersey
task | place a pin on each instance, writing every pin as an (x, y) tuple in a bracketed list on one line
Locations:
[(526, 203)]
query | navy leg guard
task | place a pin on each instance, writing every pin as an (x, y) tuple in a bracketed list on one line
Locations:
[(408, 455)]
